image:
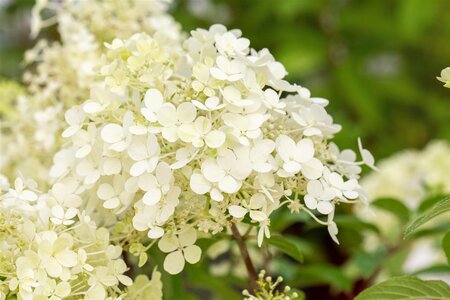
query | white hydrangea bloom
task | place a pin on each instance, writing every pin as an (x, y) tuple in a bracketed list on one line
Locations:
[(62, 74), (192, 134), (44, 259)]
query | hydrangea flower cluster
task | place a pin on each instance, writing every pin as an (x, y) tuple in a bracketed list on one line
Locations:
[(412, 175), (42, 257), (198, 136), (61, 73), (167, 138)]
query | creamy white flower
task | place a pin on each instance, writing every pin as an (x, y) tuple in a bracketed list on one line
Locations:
[(253, 208), (145, 154), (298, 157), (181, 247)]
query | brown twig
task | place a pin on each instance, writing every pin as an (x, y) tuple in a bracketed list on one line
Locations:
[(253, 276)]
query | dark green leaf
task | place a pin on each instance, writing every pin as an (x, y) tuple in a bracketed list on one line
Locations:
[(352, 222), (406, 288), (315, 275), (287, 246), (393, 206), (437, 209), (220, 287)]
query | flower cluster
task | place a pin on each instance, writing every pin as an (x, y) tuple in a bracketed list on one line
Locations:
[(61, 73), (42, 257), (269, 290), (198, 135), (412, 175)]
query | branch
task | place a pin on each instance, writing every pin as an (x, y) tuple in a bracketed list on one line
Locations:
[(253, 276)]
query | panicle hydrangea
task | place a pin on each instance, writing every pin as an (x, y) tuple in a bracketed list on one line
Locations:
[(61, 73), (43, 259), (197, 136), (412, 177)]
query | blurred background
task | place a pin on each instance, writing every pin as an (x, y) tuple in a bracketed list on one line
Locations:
[(376, 61)]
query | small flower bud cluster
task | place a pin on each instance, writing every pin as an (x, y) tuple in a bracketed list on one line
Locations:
[(267, 289)]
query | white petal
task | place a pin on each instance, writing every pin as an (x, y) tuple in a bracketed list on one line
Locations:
[(155, 232), (58, 211), (258, 216), (67, 258), (188, 237), (292, 167), (111, 203), (53, 268), (199, 184), (285, 146), (212, 171), (229, 185), (112, 133), (312, 169), (325, 207), (167, 115), (304, 150), (111, 166), (105, 191), (28, 195), (192, 254), (168, 243), (138, 168), (237, 211), (186, 112), (216, 195), (152, 197), (310, 202), (174, 262), (215, 139), (218, 74), (138, 150)]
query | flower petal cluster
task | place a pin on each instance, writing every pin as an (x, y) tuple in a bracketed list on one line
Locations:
[(44, 259), (61, 74), (198, 135)]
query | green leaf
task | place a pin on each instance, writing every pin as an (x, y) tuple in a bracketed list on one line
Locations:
[(446, 245), (287, 246), (352, 222), (437, 209), (406, 288), (429, 201), (393, 206), (221, 287), (320, 274)]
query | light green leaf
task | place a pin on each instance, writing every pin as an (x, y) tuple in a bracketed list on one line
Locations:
[(393, 206), (287, 246), (406, 288), (446, 245), (437, 209)]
